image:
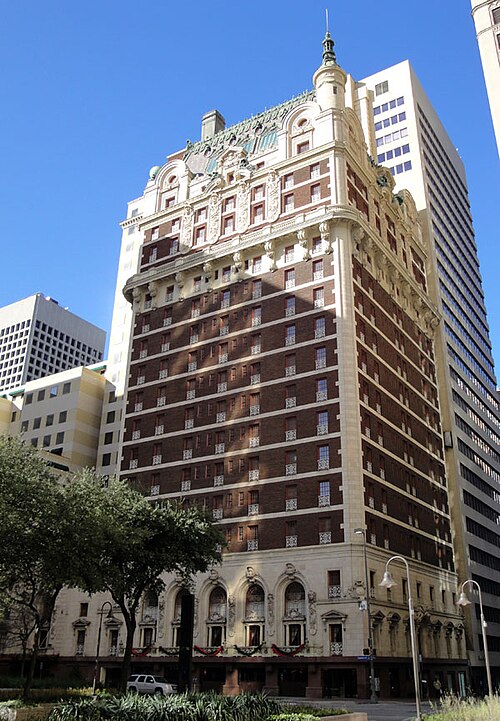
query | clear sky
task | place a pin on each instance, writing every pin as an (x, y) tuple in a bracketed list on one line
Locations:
[(94, 93)]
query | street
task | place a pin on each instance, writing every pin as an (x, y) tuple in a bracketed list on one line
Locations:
[(382, 711)]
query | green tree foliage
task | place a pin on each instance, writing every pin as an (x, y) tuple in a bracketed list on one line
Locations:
[(132, 541), (37, 542)]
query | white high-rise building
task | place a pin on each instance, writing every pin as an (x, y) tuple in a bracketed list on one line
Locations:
[(39, 337), (486, 15), (110, 438), (412, 142)]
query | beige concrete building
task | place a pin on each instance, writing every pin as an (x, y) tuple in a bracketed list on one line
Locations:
[(486, 16), (59, 414)]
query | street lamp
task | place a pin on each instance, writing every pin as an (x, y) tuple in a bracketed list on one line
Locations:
[(464, 601), (96, 667), (389, 582), (373, 693)]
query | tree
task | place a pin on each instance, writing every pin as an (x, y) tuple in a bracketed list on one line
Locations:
[(38, 543), (132, 541)]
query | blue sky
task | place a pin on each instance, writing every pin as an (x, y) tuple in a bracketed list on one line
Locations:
[(94, 93)]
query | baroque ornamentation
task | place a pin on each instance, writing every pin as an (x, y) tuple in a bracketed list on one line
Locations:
[(207, 272), (179, 279), (231, 615), (270, 613), (195, 618), (161, 616), (237, 265), (273, 195), (324, 231), (214, 206), (269, 249), (136, 299), (186, 227), (153, 291), (243, 206), (302, 238), (313, 627), (250, 574)]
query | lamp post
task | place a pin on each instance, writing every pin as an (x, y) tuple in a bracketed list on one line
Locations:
[(389, 582), (373, 693), (464, 601), (96, 666)]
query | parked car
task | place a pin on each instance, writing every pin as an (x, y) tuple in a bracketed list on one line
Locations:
[(144, 683)]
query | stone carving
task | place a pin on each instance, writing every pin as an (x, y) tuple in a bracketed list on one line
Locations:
[(195, 617), (273, 195), (161, 616), (237, 265), (243, 206), (269, 249), (214, 207), (136, 299), (313, 627), (324, 231), (213, 576), (231, 615), (207, 272), (250, 574), (290, 571), (270, 614), (186, 227), (153, 291), (179, 279), (302, 238)]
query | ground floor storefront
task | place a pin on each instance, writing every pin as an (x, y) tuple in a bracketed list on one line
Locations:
[(298, 676), (305, 676)]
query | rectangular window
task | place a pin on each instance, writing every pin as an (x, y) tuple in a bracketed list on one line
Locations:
[(315, 193), (302, 147), (288, 203), (290, 278), (382, 88)]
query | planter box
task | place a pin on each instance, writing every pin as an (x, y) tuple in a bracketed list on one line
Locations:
[(26, 712)]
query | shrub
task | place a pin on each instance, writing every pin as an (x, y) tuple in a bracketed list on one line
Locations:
[(182, 707), (470, 709), (293, 716), (312, 710)]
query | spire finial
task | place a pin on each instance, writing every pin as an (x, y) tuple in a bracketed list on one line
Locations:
[(328, 54)]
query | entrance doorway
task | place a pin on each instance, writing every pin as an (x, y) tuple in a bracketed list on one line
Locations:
[(292, 681), (212, 678), (340, 682)]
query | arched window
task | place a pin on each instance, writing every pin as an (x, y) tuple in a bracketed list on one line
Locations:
[(217, 614), (150, 606), (295, 614), (176, 621), (149, 618), (254, 616)]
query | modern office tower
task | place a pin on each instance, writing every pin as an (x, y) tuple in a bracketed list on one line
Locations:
[(486, 16), (59, 414), (282, 375), (412, 142), (38, 337)]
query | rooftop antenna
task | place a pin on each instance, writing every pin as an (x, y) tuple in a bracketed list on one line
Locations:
[(328, 53)]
